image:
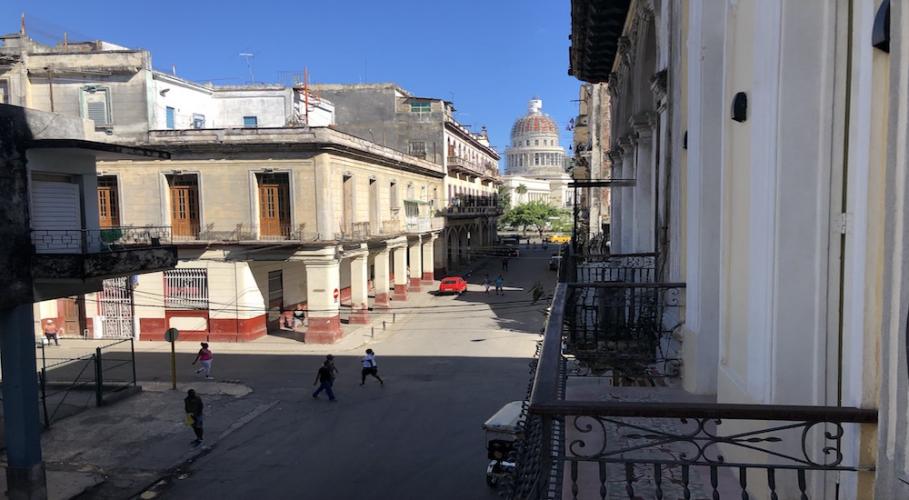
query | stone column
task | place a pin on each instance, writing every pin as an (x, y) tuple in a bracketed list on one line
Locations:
[(615, 195), (326, 222), (416, 263), (359, 287), (627, 208), (400, 273), (382, 280), (323, 280), (25, 476), (428, 258), (644, 196)]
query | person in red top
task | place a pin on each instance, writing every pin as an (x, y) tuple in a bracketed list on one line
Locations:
[(50, 331), (204, 358)]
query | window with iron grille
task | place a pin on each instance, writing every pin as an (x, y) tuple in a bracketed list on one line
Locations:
[(4, 92), (418, 149), (186, 288), (198, 120)]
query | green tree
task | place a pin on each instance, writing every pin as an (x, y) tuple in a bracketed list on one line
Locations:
[(504, 198), (535, 214)]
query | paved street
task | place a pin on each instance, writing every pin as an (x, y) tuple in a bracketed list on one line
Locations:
[(447, 369)]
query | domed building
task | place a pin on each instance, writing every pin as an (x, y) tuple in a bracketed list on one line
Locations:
[(535, 160), (535, 149)]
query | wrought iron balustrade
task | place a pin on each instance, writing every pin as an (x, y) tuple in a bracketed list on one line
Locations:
[(605, 448), (623, 329), (90, 241)]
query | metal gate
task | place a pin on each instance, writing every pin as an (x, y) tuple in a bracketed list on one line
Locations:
[(115, 303)]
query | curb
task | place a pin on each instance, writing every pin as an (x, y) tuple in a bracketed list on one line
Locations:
[(154, 488)]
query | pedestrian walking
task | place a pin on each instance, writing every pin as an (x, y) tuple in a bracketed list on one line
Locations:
[(505, 264), (50, 332), (204, 357), (487, 283), (193, 407), (299, 316), (325, 381), (331, 365), (370, 367), (536, 291), (500, 282)]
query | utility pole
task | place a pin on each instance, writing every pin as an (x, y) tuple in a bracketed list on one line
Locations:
[(249, 56)]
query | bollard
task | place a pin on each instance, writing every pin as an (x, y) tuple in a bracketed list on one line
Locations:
[(394, 317), (372, 332), (383, 324)]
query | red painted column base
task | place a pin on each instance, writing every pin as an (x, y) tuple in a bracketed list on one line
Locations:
[(400, 292), (428, 278), (323, 330), (383, 301), (414, 285), (359, 316)]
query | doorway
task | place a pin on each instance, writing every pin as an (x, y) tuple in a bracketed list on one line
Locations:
[(184, 206), (275, 300), (274, 206)]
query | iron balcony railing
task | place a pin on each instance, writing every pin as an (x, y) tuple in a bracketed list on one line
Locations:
[(578, 448), (91, 241)]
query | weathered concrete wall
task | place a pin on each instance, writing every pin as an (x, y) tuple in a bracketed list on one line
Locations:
[(371, 115), (144, 191)]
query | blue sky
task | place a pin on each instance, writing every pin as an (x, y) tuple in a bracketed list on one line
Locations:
[(488, 56)]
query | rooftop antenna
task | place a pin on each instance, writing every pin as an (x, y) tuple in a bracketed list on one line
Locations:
[(249, 56)]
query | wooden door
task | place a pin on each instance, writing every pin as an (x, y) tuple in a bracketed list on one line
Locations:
[(108, 203), (72, 327), (184, 212), (274, 210)]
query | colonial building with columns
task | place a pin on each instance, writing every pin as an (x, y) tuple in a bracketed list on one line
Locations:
[(269, 219), (536, 160), (758, 154), (426, 127), (269, 207)]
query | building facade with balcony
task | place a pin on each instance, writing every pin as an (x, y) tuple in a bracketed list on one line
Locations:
[(314, 217), (425, 127), (756, 280), (54, 246), (256, 172)]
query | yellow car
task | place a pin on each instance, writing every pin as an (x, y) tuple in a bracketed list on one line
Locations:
[(559, 239)]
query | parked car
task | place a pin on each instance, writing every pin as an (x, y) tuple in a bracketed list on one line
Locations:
[(554, 262), (510, 240), (452, 284)]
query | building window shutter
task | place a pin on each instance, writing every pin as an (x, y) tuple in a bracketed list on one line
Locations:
[(97, 106)]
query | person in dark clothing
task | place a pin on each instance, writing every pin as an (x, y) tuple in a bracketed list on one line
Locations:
[(325, 379), (505, 264), (193, 406)]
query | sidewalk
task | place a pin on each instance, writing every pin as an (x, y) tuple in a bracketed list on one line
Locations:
[(355, 336), (119, 450)]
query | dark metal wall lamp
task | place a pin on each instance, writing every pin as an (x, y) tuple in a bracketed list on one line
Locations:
[(740, 107), (880, 33)]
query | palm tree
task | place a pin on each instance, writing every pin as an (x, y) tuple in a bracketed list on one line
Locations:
[(521, 189)]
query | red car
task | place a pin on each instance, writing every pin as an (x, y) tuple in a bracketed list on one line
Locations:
[(453, 284)]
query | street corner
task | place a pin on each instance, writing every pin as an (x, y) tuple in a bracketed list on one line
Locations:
[(202, 386)]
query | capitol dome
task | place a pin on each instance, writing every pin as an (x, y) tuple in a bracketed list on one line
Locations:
[(534, 123), (535, 149)]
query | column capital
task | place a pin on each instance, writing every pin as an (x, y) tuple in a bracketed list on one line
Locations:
[(643, 124), (359, 251)]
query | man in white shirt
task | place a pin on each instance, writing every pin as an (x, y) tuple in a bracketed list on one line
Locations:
[(370, 367)]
